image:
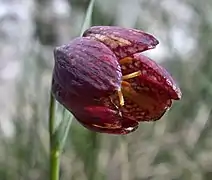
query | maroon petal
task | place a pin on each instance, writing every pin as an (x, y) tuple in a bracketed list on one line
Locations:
[(86, 67), (153, 73), (93, 114), (148, 95), (104, 120), (122, 130), (122, 41), (143, 104)]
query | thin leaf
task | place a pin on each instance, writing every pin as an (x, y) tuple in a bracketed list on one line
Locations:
[(88, 17), (61, 134)]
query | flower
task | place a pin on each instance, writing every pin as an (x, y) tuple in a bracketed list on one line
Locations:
[(107, 84)]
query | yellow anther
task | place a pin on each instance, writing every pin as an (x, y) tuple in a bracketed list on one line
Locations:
[(132, 75), (121, 97), (106, 126), (125, 84), (126, 60)]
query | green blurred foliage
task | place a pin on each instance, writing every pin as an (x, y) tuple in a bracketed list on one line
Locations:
[(177, 147)]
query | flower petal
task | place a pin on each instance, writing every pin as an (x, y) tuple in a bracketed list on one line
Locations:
[(104, 120), (93, 114), (148, 93), (122, 41), (143, 105), (153, 76), (123, 130), (86, 67)]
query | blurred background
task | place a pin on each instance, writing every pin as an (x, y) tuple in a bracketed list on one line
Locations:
[(178, 147)]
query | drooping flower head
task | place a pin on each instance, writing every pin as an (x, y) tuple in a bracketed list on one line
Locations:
[(107, 84)]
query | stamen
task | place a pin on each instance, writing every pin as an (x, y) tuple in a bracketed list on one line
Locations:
[(106, 126), (125, 83), (132, 75), (128, 76), (121, 97), (125, 60)]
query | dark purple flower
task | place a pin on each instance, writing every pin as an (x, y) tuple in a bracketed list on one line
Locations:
[(107, 84)]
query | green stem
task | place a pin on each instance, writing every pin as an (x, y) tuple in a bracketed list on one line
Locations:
[(51, 115), (55, 164), (54, 150), (88, 17), (58, 135), (93, 157)]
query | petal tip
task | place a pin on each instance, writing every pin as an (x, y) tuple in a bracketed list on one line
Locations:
[(178, 94), (123, 41)]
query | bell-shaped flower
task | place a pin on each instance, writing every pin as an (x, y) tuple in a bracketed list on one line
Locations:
[(107, 84)]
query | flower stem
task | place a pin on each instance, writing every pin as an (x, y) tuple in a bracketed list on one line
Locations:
[(92, 160), (59, 133), (54, 150), (55, 165), (51, 115)]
